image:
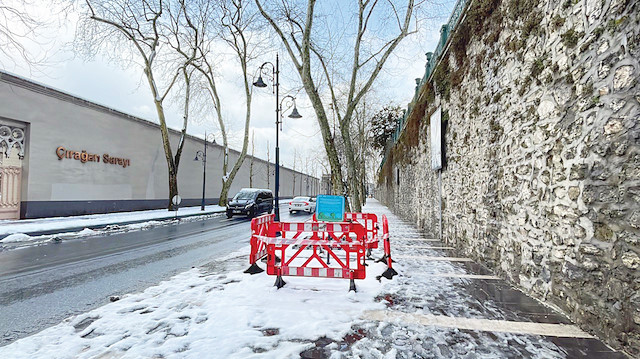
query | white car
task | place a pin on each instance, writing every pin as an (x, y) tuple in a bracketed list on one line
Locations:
[(306, 204)]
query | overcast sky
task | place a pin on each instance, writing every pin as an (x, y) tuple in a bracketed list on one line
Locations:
[(125, 90)]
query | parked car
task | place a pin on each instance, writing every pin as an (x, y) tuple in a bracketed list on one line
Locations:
[(306, 204), (250, 202)]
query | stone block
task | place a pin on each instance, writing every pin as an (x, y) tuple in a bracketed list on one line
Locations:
[(609, 194), (574, 193), (578, 172), (630, 238), (634, 219), (599, 171), (631, 260), (603, 232), (589, 194), (560, 192), (613, 126), (616, 105), (579, 231), (623, 77), (572, 272), (604, 90), (619, 147), (564, 212), (590, 249), (590, 264), (603, 70)]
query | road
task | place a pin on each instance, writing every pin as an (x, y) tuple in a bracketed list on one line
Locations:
[(44, 284)]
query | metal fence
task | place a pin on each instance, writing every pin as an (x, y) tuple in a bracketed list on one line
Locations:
[(432, 60)]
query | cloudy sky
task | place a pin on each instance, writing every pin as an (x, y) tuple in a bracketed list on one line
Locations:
[(123, 87)]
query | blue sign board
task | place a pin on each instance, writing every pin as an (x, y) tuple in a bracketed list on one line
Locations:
[(330, 208)]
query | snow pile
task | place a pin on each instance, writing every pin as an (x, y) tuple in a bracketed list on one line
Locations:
[(16, 237), (143, 225), (86, 232)]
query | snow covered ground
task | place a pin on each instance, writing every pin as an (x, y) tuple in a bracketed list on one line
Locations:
[(217, 311)]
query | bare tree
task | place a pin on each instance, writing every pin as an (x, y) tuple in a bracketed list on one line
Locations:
[(136, 26), (229, 22), (25, 36), (370, 51)]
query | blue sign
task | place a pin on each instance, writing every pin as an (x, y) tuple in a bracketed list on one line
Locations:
[(330, 208)]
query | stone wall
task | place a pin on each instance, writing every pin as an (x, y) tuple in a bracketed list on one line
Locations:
[(542, 141)]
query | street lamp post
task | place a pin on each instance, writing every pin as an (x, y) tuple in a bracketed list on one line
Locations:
[(294, 114), (202, 156)]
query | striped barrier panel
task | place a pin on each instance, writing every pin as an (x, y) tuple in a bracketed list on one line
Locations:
[(370, 223)]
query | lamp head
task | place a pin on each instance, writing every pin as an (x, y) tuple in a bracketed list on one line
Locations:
[(259, 82), (295, 113)]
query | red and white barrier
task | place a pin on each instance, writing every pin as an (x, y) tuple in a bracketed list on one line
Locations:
[(390, 272), (316, 249)]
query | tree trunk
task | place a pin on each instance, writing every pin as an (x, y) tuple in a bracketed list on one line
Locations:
[(354, 186), (173, 189), (226, 183), (327, 139), (166, 145)]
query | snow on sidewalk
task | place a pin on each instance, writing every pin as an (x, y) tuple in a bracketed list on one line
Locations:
[(198, 315), (220, 312)]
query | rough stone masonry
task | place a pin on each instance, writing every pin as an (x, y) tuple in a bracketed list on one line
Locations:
[(541, 136)]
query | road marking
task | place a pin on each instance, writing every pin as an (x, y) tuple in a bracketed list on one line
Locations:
[(421, 247), (417, 239), (461, 275), (427, 258), (486, 325)]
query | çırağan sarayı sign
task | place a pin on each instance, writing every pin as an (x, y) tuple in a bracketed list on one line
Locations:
[(84, 156)]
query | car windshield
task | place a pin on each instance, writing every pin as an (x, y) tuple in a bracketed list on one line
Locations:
[(301, 199), (245, 195)]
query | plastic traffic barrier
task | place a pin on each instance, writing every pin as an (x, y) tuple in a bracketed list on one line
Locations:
[(390, 272), (316, 249), (259, 227)]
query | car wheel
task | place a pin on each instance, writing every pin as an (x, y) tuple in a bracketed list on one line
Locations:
[(229, 214), (252, 213)]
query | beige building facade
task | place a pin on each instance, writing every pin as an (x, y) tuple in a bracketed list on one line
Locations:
[(62, 155)]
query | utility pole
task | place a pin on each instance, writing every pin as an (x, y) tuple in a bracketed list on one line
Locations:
[(253, 147), (294, 173), (268, 167)]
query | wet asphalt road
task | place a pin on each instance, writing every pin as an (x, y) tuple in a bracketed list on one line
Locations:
[(42, 285)]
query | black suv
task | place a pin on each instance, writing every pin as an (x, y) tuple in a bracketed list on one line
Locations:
[(250, 201)]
